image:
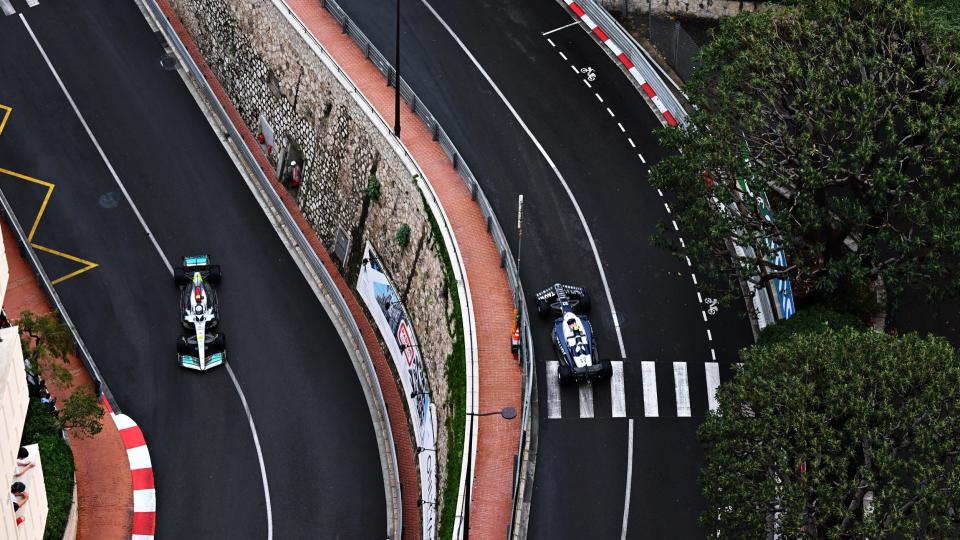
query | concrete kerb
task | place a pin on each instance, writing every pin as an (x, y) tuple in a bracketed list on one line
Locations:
[(307, 260), (449, 238)]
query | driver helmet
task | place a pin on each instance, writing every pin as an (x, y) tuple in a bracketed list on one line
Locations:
[(198, 309)]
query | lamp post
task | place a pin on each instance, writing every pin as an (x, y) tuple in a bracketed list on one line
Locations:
[(508, 413), (396, 79)]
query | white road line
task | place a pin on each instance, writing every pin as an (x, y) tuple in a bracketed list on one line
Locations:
[(632, 144), (704, 313), (33, 3), (553, 389), (694, 276), (256, 444), (682, 388), (617, 395), (550, 41), (586, 400), (675, 225), (610, 112), (713, 354), (7, 7), (103, 156), (574, 68), (699, 298), (644, 161), (586, 82), (658, 189), (667, 207), (709, 335), (598, 97), (682, 243), (713, 382), (688, 261), (163, 257), (547, 33), (622, 129), (648, 372), (562, 55), (553, 166), (626, 497)]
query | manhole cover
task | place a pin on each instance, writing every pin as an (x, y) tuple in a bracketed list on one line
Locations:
[(168, 62), (110, 199)]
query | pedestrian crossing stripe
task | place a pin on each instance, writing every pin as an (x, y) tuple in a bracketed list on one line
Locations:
[(686, 399)]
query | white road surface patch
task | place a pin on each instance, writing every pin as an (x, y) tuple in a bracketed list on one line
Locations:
[(648, 372), (163, 257), (553, 166), (713, 382), (7, 7), (585, 392), (626, 496), (682, 388), (553, 389), (617, 395), (33, 3)]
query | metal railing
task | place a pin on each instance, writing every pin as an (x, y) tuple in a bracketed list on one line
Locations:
[(635, 52), (493, 226), (358, 346), (82, 352)]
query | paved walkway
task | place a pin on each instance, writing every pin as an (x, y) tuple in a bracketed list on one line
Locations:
[(499, 372), (104, 491)]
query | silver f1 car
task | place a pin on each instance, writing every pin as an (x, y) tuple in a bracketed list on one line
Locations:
[(572, 334), (201, 346)]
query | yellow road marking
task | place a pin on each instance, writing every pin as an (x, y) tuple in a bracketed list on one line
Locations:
[(87, 265), (6, 116)]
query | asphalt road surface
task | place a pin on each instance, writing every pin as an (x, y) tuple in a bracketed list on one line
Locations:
[(315, 438), (637, 433)]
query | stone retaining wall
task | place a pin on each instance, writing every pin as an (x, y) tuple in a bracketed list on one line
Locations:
[(354, 187)]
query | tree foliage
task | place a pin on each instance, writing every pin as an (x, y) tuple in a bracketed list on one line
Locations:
[(812, 427), (45, 339), (82, 413), (844, 114)]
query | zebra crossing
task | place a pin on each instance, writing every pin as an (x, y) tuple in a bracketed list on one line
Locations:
[(637, 389), (8, 8)]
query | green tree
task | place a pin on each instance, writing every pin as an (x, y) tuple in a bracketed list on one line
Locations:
[(844, 113), (44, 340), (814, 428), (82, 413)]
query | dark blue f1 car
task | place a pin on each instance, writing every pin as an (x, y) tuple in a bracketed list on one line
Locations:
[(572, 333)]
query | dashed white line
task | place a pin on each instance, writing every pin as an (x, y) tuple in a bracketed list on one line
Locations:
[(682, 244), (550, 162), (699, 298), (622, 129), (610, 112), (553, 389), (658, 189), (563, 56), (632, 144), (644, 161), (586, 82), (666, 207), (682, 388), (550, 41), (675, 227), (713, 354), (648, 373), (694, 276), (688, 260), (709, 335), (574, 68), (598, 97), (704, 313)]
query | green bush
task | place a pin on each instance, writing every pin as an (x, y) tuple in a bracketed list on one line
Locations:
[(403, 235), (43, 429), (810, 320)]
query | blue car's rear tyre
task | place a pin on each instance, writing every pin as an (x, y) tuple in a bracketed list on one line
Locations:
[(180, 277), (565, 374), (583, 304)]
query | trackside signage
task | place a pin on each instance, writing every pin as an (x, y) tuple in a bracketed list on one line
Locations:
[(382, 301)]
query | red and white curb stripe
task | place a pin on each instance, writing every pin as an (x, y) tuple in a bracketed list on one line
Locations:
[(141, 471), (625, 60)]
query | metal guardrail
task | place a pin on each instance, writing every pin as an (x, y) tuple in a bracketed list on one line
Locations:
[(639, 57), (394, 506), (82, 351), (493, 225)]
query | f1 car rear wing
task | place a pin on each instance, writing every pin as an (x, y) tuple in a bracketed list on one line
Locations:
[(555, 291), (191, 261)]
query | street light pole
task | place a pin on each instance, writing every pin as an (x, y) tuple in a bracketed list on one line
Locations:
[(396, 79), (508, 413), (519, 229)]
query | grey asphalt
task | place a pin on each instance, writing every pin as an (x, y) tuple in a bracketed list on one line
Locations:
[(317, 438), (581, 470)]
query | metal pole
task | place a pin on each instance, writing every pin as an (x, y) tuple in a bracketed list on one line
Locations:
[(396, 80), (519, 229)]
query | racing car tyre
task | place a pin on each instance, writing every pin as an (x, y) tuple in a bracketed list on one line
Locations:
[(219, 343), (180, 277), (607, 369), (583, 305), (214, 274), (183, 347), (564, 374), (544, 309)]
